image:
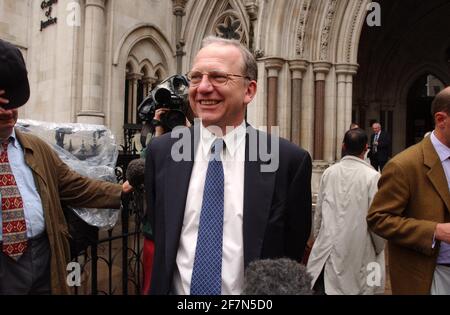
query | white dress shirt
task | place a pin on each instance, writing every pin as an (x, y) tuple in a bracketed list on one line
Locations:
[(32, 204), (233, 160), (444, 153)]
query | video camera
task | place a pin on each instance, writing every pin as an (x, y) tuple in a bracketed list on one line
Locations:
[(172, 93)]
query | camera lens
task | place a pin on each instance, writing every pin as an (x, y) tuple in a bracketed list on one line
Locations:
[(163, 96), (180, 84)]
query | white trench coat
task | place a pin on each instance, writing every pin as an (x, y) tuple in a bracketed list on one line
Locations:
[(352, 256)]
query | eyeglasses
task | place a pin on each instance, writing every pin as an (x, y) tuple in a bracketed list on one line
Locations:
[(216, 77)]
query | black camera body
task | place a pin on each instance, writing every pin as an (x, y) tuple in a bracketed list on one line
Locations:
[(172, 93)]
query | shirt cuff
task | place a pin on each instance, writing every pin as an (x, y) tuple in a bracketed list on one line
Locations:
[(433, 245)]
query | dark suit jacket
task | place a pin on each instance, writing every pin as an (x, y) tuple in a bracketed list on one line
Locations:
[(383, 148), (413, 197), (277, 205)]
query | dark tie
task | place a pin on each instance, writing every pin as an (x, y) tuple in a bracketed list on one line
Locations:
[(14, 228), (207, 270), (375, 146)]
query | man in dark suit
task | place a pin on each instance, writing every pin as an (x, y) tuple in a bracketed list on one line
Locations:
[(225, 203), (380, 144)]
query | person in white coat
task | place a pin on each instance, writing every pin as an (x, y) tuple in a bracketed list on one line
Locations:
[(346, 257)]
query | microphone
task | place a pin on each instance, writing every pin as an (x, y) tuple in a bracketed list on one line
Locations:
[(135, 173), (281, 276)]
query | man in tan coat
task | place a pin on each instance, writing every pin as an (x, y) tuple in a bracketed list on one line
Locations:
[(34, 184), (412, 210)]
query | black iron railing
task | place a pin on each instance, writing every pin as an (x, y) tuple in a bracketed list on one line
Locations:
[(114, 261)]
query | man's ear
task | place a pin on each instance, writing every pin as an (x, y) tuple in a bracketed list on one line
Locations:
[(250, 92), (439, 118)]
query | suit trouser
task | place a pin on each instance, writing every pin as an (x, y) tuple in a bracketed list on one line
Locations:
[(441, 281), (377, 164), (31, 273)]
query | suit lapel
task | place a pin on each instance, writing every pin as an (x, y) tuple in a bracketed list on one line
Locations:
[(258, 192), (177, 180), (436, 173)]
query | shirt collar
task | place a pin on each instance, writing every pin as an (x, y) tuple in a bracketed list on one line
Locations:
[(13, 139), (442, 150), (232, 139), (355, 158)]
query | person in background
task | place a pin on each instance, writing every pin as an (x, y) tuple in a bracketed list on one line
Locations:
[(34, 184), (380, 147), (353, 126), (344, 247), (156, 130)]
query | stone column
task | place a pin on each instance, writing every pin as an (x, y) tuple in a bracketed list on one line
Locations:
[(273, 66), (93, 63), (148, 85), (145, 86), (134, 79), (321, 70), (179, 10), (129, 109), (152, 83), (351, 72), (252, 10), (298, 68), (344, 73)]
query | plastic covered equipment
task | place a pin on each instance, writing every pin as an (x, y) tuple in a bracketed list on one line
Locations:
[(90, 150)]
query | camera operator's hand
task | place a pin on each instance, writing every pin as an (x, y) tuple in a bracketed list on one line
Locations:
[(159, 130), (3, 100)]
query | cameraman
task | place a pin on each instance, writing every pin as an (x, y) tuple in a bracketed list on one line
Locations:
[(156, 122), (156, 129)]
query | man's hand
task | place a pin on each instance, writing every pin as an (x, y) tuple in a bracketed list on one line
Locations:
[(443, 232), (3, 100), (159, 130), (127, 188)]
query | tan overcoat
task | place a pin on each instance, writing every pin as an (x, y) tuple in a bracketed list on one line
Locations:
[(56, 184), (413, 197)]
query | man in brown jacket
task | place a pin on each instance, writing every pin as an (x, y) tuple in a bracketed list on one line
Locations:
[(412, 210), (34, 183)]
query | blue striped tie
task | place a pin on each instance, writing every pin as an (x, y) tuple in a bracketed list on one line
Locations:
[(207, 271)]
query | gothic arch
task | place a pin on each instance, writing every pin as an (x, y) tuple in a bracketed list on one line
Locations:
[(141, 32), (133, 64), (203, 16), (145, 67), (327, 29), (302, 36), (414, 74), (159, 72), (350, 31)]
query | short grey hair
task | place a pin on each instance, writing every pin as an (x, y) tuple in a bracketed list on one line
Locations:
[(250, 67)]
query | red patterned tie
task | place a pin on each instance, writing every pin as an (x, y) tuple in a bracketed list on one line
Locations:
[(14, 227)]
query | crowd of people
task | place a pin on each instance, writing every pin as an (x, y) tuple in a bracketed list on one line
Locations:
[(223, 207)]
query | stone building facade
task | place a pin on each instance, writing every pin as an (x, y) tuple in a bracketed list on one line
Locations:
[(318, 67)]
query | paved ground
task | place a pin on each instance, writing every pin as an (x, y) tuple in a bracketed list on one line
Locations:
[(388, 290)]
